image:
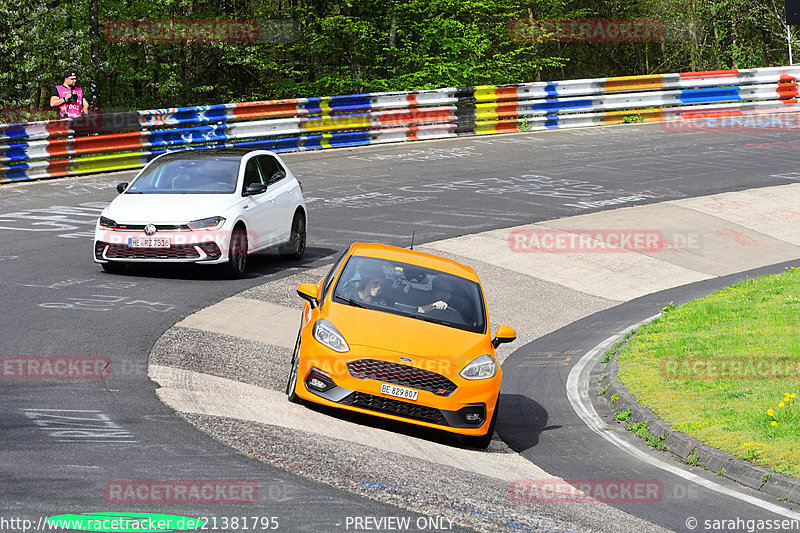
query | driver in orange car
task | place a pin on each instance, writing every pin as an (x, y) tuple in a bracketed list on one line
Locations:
[(442, 292)]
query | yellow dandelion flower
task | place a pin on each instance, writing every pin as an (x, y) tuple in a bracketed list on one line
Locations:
[(774, 423), (770, 412), (792, 395), (780, 404)]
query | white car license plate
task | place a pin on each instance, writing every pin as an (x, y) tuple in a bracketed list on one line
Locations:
[(399, 392), (144, 242)]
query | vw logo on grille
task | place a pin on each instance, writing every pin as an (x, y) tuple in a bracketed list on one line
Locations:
[(150, 229), (406, 359)]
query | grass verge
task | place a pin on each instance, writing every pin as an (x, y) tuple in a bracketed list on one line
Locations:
[(726, 369)]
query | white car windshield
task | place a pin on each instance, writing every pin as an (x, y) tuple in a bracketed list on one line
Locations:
[(206, 175), (412, 291)]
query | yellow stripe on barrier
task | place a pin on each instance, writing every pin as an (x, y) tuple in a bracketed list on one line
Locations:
[(633, 115), (634, 83), (486, 111), (325, 142), (493, 93), (325, 105), (327, 122), (106, 163)]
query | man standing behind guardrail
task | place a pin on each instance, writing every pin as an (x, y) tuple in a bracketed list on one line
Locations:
[(68, 98)]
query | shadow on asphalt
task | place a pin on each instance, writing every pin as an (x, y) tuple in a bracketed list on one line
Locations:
[(521, 421)]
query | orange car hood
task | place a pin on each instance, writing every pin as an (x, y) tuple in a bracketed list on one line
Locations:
[(410, 336)]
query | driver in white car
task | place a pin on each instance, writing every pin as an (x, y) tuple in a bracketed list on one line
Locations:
[(442, 292)]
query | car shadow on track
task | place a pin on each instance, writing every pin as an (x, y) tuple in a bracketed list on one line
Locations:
[(259, 265), (521, 421)]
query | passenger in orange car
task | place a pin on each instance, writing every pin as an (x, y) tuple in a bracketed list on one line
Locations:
[(368, 289)]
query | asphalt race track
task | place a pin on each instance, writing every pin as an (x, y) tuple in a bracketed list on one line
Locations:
[(64, 441)]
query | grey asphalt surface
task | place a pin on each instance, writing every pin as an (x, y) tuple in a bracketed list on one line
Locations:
[(537, 420), (58, 302)]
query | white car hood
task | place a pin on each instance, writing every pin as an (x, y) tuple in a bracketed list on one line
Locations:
[(168, 208)]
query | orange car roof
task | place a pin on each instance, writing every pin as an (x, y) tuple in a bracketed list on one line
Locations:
[(393, 253)]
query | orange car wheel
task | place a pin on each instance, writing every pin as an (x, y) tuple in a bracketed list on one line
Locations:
[(291, 386)]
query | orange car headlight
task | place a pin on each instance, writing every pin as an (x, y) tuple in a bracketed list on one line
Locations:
[(328, 335), (484, 367)]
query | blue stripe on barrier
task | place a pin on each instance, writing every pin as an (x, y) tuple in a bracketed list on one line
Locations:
[(710, 94), (17, 131), (16, 172), (551, 89), (16, 152), (197, 134), (551, 123), (553, 106)]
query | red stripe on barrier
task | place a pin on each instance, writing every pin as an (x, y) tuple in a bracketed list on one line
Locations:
[(507, 110), (59, 167), (787, 90), (57, 147), (411, 134), (412, 99), (710, 74), (506, 93), (507, 126), (108, 143), (270, 108)]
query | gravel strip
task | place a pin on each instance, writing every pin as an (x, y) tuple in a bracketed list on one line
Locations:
[(251, 362), (468, 499)]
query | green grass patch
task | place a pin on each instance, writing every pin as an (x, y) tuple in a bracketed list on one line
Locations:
[(726, 369)]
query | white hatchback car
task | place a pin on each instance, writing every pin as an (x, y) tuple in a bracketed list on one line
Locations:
[(204, 206)]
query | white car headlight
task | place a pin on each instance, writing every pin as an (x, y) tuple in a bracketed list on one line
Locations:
[(107, 223), (328, 335), (484, 367), (206, 223)]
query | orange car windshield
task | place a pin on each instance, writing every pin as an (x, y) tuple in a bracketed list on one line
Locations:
[(413, 291)]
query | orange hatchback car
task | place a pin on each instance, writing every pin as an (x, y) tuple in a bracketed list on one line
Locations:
[(402, 335)]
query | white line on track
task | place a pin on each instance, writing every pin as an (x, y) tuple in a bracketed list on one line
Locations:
[(578, 394)]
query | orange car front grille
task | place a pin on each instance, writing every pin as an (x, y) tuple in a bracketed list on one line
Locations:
[(403, 375)]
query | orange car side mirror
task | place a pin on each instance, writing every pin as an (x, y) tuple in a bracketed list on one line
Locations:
[(504, 334), (309, 292)]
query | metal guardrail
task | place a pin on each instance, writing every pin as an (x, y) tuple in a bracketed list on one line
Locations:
[(116, 141)]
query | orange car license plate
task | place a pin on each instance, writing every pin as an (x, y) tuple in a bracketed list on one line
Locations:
[(399, 392)]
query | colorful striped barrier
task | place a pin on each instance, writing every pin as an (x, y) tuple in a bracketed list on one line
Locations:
[(116, 141)]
